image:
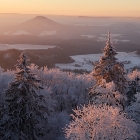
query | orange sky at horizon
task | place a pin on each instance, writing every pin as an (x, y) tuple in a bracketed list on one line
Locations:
[(129, 8)]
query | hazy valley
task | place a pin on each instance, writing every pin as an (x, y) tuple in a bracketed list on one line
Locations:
[(65, 36)]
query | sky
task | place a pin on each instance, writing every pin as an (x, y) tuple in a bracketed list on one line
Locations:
[(129, 8)]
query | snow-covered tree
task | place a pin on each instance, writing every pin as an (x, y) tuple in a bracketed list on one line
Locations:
[(106, 94), (109, 68), (133, 85), (6, 77), (57, 122), (100, 123), (134, 110), (68, 89), (24, 116)]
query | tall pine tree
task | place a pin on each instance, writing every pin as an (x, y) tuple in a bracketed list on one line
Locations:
[(24, 115), (109, 68)]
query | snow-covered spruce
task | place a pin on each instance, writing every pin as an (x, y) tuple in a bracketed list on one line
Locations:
[(24, 116), (109, 68), (100, 123)]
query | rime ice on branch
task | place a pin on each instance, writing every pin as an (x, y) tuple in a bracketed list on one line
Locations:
[(109, 68), (100, 123)]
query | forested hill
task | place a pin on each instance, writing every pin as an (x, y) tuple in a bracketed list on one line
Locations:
[(61, 53)]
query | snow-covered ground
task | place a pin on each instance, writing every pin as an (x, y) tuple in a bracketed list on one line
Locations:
[(114, 38), (17, 33), (93, 24), (85, 61), (112, 35), (88, 36), (21, 33), (104, 37), (24, 46), (44, 33)]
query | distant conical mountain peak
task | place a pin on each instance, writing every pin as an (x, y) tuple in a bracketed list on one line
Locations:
[(37, 26), (40, 17)]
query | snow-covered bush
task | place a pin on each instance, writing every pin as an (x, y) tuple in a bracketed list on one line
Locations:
[(100, 123)]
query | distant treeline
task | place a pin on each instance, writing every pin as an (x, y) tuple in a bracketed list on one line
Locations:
[(59, 54)]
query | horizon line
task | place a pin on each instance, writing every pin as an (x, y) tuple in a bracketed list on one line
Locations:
[(73, 15)]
